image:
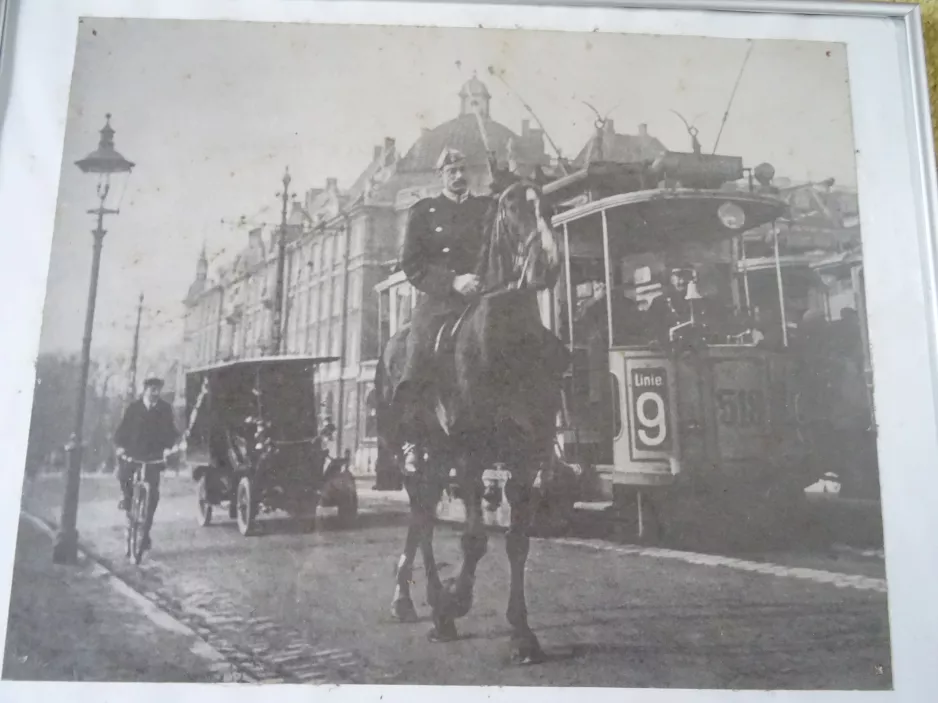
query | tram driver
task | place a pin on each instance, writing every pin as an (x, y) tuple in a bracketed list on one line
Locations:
[(671, 307)]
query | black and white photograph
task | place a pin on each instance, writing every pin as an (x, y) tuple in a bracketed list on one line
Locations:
[(423, 355)]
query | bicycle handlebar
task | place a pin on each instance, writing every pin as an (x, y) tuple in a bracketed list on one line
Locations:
[(152, 462)]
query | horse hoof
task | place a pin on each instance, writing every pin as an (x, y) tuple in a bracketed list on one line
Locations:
[(452, 603), (403, 610), (526, 651), (443, 631)]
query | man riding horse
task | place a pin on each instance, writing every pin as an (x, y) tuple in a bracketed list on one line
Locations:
[(442, 244)]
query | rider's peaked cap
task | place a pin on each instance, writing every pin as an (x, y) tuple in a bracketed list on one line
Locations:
[(153, 381), (450, 157)]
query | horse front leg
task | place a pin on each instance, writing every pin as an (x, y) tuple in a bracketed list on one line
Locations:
[(525, 648), (455, 599), (402, 607)]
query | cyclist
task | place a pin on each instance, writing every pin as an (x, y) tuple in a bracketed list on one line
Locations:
[(147, 433)]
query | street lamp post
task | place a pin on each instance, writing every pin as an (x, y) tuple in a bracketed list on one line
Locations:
[(276, 335), (104, 162)]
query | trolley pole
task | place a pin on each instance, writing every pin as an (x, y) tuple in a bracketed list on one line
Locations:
[(132, 387), (276, 334)]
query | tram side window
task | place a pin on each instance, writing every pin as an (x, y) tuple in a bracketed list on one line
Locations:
[(588, 293)]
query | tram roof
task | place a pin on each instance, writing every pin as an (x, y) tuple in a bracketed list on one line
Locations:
[(283, 360), (656, 220)]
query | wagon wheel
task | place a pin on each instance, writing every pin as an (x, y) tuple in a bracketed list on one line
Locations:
[(246, 506), (205, 507)]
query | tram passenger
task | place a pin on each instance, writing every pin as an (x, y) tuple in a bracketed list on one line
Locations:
[(671, 307)]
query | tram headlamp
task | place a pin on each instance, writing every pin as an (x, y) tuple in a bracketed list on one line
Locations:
[(732, 215)]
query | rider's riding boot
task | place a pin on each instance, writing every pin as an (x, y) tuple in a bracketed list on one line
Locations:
[(413, 458)]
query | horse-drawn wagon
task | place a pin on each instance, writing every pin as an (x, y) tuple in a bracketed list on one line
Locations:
[(253, 441)]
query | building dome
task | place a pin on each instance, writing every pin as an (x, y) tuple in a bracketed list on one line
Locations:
[(463, 133)]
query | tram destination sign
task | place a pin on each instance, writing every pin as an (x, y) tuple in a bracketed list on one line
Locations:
[(650, 409)]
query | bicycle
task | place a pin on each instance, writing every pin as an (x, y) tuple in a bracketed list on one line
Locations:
[(137, 528)]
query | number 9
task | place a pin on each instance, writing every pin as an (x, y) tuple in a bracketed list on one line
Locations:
[(655, 422)]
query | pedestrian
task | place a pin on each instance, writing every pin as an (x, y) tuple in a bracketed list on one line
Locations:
[(443, 241), (322, 445), (147, 432)]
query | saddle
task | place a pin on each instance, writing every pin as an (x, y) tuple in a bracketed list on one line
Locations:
[(445, 341)]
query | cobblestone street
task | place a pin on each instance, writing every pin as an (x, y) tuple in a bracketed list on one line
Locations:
[(81, 623), (313, 607)]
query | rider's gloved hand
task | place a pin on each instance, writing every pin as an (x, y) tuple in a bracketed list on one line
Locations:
[(466, 284), (120, 453)]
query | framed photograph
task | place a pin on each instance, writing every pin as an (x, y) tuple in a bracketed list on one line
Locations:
[(405, 349)]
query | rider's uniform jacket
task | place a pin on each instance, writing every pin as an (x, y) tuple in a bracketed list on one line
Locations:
[(443, 239), (144, 433)]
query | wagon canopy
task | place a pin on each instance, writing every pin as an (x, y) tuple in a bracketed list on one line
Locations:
[(659, 220), (280, 390)]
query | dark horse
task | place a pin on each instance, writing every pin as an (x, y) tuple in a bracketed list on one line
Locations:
[(496, 400)]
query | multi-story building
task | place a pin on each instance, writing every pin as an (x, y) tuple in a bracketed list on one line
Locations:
[(340, 245)]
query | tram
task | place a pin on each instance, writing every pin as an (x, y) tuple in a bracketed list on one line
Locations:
[(689, 418)]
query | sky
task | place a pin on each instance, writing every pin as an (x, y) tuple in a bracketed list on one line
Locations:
[(212, 113)]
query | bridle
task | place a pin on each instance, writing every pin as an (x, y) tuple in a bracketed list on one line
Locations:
[(523, 252)]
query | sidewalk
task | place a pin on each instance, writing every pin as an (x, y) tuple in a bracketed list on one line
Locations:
[(80, 623)]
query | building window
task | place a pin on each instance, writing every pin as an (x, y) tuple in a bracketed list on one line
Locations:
[(324, 291), (350, 410), (329, 408), (316, 252), (324, 339), (384, 314), (336, 337), (355, 290), (337, 298), (371, 414), (311, 339), (359, 228), (351, 348), (340, 241), (327, 252)]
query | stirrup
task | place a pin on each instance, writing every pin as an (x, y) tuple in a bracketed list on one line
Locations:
[(412, 458)]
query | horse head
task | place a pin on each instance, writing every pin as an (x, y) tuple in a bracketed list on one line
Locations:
[(521, 250)]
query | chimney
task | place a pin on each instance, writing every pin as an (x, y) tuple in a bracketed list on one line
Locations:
[(610, 127), (332, 184), (389, 144), (377, 153), (643, 130), (525, 127)]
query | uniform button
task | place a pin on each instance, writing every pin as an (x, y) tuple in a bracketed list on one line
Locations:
[(439, 229), (432, 209), (446, 250)]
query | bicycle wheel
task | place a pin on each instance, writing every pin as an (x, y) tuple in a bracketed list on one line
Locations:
[(140, 507)]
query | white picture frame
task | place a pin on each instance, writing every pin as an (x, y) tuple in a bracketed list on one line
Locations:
[(896, 180)]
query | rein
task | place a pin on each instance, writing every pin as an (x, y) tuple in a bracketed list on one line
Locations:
[(523, 251)]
